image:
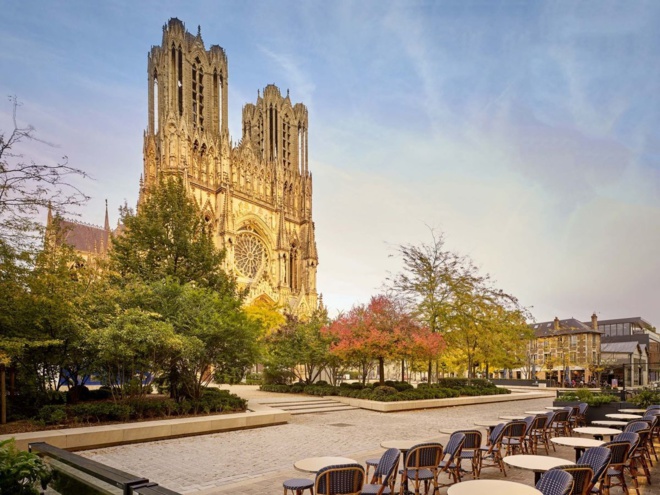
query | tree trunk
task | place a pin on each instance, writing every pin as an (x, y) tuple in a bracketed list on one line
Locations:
[(3, 397), (381, 370), (403, 370), (428, 379)]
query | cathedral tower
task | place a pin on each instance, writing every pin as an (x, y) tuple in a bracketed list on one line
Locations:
[(257, 195)]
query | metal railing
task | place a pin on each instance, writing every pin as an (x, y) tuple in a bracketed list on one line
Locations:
[(130, 484)]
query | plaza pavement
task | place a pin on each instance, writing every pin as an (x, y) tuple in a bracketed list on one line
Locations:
[(256, 461)]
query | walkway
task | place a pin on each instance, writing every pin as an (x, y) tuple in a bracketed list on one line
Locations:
[(257, 461)]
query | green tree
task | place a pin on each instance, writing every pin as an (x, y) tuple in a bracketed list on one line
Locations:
[(168, 237), (299, 348), (432, 281)]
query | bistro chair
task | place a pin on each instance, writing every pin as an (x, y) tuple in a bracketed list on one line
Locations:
[(597, 458), (451, 461), (342, 479), (620, 451), (631, 464), (493, 450), (555, 482), (471, 451), (513, 436), (654, 421), (536, 432), (421, 465), (559, 426), (384, 477), (582, 476)]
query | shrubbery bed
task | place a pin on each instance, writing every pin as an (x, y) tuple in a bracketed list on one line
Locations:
[(394, 391)]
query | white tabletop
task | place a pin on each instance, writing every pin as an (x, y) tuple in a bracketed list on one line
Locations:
[(623, 416), (632, 411), (555, 408), (604, 422), (536, 412), (315, 464), (490, 423), (402, 444), (537, 463), (492, 487), (577, 442), (592, 430), (515, 417)]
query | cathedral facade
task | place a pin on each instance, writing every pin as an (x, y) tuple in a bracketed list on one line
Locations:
[(256, 196)]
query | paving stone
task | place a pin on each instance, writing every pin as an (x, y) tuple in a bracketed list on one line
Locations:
[(257, 461)]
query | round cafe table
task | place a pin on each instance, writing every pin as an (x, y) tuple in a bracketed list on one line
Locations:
[(596, 432), (403, 445), (623, 416), (315, 464), (580, 444), (488, 423), (514, 417), (555, 408), (536, 412), (632, 411), (537, 463), (492, 487), (610, 423)]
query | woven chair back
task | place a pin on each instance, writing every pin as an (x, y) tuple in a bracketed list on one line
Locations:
[(597, 458), (423, 456), (582, 476), (555, 482), (388, 465), (619, 451), (342, 479)]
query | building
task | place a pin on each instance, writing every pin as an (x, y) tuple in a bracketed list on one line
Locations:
[(631, 347), (256, 194), (566, 350)]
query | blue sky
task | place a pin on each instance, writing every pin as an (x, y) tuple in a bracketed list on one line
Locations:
[(527, 132)]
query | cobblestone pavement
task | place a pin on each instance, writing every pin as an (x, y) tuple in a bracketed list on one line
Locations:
[(257, 461)]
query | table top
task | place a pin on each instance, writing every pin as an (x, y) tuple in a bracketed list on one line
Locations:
[(514, 417), (555, 408), (623, 416), (632, 411), (490, 423), (578, 442), (492, 487), (536, 412), (402, 444), (539, 463), (594, 430), (604, 422), (315, 464)]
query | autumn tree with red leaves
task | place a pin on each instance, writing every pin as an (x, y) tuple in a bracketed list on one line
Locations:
[(382, 330)]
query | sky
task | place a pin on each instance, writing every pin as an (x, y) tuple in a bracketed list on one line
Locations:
[(527, 132)]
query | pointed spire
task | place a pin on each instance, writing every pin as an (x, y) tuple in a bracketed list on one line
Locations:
[(106, 225), (281, 231), (49, 220)]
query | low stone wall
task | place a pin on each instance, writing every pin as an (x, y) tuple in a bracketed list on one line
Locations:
[(103, 436), (410, 405)]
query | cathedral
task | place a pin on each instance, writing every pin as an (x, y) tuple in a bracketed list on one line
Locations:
[(255, 195)]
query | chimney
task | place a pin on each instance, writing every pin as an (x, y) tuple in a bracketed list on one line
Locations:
[(594, 321), (556, 323)]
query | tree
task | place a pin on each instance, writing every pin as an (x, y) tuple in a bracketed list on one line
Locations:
[(380, 331), (28, 187), (169, 237), (431, 282), (298, 348)]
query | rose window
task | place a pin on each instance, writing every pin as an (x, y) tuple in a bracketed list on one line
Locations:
[(249, 254)]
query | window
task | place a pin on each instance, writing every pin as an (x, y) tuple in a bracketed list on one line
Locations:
[(198, 95), (574, 340)]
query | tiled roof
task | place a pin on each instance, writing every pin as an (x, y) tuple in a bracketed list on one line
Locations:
[(84, 237), (568, 326)]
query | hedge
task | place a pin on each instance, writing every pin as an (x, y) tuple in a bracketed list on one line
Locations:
[(393, 391)]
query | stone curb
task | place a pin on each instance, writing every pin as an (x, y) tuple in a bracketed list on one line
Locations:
[(410, 405), (104, 436)]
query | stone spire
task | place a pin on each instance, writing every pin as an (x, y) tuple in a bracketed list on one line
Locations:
[(106, 225)]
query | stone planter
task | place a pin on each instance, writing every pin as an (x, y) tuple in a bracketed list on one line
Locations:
[(598, 413)]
